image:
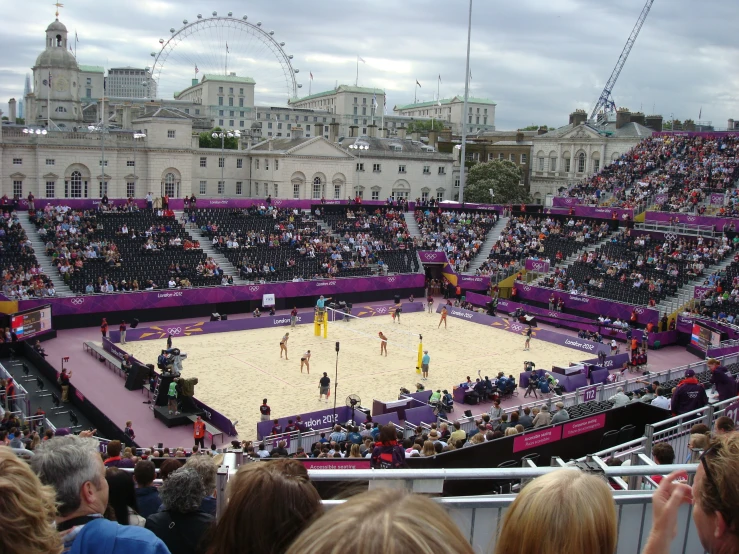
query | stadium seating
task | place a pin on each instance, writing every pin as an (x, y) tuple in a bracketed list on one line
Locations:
[(22, 277)]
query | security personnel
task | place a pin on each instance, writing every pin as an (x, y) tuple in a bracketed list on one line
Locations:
[(199, 432)]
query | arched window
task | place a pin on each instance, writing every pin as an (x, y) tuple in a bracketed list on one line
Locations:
[(61, 109), (581, 163), (75, 185), (169, 184), (317, 188)]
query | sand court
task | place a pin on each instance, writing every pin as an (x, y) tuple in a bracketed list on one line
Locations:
[(236, 370)]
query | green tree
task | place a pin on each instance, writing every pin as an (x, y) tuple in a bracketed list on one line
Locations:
[(424, 127), (502, 176), (206, 140), (534, 128)]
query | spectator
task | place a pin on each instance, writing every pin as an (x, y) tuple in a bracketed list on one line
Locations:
[(561, 414), (721, 379), (526, 420), (114, 458), (147, 496), (253, 521), (384, 521), (724, 425), (206, 468), (122, 506), (543, 507), (73, 467), (27, 509), (662, 454), (661, 401), (128, 431), (181, 525), (168, 467), (714, 496), (64, 378), (458, 434), (689, 395), (543, 418), (619, 399), (388, 454)]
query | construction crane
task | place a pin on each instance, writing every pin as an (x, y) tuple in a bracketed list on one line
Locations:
[(606, 102)]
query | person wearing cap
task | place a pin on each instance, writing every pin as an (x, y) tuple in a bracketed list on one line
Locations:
[(561, 414), (648, 395), (425, 360), (721, 379), (689, 395)]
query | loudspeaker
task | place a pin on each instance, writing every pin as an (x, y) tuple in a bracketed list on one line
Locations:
[(468, 413), (134, 323), (137, 377), (397, 299), (224, 317)]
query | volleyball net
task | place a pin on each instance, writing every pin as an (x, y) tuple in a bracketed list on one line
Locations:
[(400, 336)]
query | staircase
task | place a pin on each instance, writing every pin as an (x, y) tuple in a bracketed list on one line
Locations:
[(686, 293), (227, 267), (39, 248), (572, 258), (413, 230), (490, 240)]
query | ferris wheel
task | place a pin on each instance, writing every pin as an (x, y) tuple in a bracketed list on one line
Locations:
[(224, 46)]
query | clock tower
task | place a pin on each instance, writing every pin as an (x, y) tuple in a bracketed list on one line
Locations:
[(56, 82)]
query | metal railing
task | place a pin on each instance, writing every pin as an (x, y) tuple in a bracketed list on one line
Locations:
[(679, 228)]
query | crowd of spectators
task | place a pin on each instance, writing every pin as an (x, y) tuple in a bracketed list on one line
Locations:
[(22, 277), (459, 234)]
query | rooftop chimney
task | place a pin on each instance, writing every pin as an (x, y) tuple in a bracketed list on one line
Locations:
[(319, 129), (541, 131), (372, 129), (433, 138), (333, 131), (654, 122), (194, 82), (353, 131), (401, 132), (416, 135), (297, 132), (519, 137), (11, 111), (578, 117), (623, 117), (269, 144), (639, 118)]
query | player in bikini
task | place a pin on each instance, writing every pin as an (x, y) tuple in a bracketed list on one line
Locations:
[(383, 344), (443, 317), (283, 345), (305, 360), (528, 339)]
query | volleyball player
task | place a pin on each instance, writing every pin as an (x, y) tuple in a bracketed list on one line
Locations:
[(443, 317), (283, 345), (430, 304), (305, 360), (528, 339), (383, 344)]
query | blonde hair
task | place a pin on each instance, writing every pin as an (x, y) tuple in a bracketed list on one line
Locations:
[(511, 431), (384, 521), (428, 449), (27, 509), (576, 510), (699, 441), (355, 452)]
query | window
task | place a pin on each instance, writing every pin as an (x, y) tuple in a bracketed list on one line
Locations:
[(442, 170), (456, 182), (170, 185), (220, 90), (375, 195), (50, 189), (581, 163), (541, 163), (241, 102), (524, 158), (377, 168), (103, 188), (130, 163), (279, 125), (197, 111), (256, 189), (440, 196), (567, 165), (241, 91), (269, 125), (230, 122), (256, 163), (220, 100), (470, 119), (239, 163), (49, 161), (355, 111), (337, 192), (360, 166), (239, 188), (277, 190), (501, 156), (221, 187), (220, 112), (74, 189), (553, 164), (88, 93), (401, 169), (170, 133), (355, 99), (296, 190), (596, 166), (88, 81), (364, 111), (317, 188), (277, 165), (230, 90), (130, 189), (203, 187), (203, 161), (427, 170), (512, 157), (424, 196), (61, 109), (266, 164), (221, 162), (241, 123), (17, 161), (359, 193)]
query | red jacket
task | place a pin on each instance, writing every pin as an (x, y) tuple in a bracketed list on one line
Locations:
[(388, 455)]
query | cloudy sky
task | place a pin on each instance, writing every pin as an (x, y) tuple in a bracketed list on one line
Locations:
[(537, 59)]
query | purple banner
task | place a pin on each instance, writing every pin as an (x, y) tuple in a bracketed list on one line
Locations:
[(520, 329), (167, 298), (700, 292), (474, 282), (540, 266), (704, 134), (243, 324), (612, 362), (559, 201), (594, 212), (588, 304), (422, 414), (589, 393), (212, 416), (432, 257), (320, 419), (718, 198), (722, 351)]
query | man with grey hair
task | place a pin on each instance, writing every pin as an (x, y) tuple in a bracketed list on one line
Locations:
[(561, 414), (207, 469), (619, 399), (73, 467), (181, 524)]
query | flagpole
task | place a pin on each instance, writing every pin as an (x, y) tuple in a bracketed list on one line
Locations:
[(415, 91), (464, 109), (384, 104), (356, 81)]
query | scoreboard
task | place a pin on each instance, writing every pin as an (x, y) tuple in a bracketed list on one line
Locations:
[(30, 323)]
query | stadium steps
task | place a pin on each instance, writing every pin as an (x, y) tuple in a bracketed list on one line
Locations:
[(571, 259), (39, 249), (413, 229), (323, 225), (687, 291), (484, 251), (205, 244)]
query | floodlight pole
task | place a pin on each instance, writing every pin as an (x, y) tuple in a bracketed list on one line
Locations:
[(336, 382), (464, 109)]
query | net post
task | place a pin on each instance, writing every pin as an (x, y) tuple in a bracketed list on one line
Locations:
[(325, 325), (420, 354)]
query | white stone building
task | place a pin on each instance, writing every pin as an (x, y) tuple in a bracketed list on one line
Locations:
[(131, 82), (479, 119), (565, 156)]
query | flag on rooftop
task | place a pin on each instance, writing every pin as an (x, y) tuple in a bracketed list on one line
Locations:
[(360, 59), (419, 84)]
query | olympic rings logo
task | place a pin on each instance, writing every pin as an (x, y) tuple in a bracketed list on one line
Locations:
[(78, 301), (691, 218), (526, 288), (277, 202), (254, 288), (391, 279), (516, 328), (639, 310), (381, 310), (538, 266), (670, 236), (174, 331), (552, 314), (429, 256)]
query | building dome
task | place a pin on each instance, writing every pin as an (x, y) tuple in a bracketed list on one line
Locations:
[(57, 58), (56, 26)]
